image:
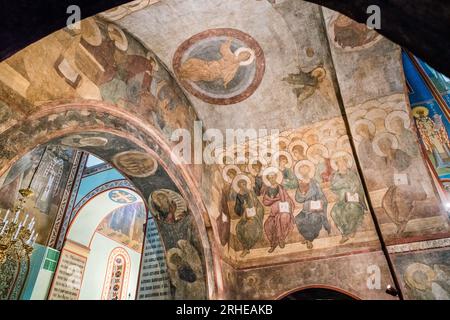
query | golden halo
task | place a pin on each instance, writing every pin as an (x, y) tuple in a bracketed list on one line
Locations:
[(312, 149), (118, 36), (341, 154), (170, 253), (127, 162), (72, 141), (343, 143), (383, 135), (370, 125), (173, 196), (275, 159), (413, 279), (90, 32), (397, 114), (226, 169), (302, 163), (301, 143), (238, 178), (253, 161), (420, 111), (278, 140), (271, 170), (376, 113), (250, 60), (93, 142)]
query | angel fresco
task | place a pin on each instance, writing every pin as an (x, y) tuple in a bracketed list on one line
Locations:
[(280, 221), (225, 68), (249, 229), (348, 211), (313, 216), (304, 84)]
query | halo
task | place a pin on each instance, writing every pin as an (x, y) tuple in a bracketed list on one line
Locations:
[(250, 60), (343, 143), (375, 113), (420, 109), (70, 141), (90, 32), (275, 159), (370, 125), (313, 148), (93, 141), (253, 161), (221, 154), (302, 163), (173, 196), (271, 170), (170, 253), (416, 283), (397, 114), (144, 156), (292, 145), (387, 135), (226, 169), (341, 154), (279, 139), (329, 143), (122, 43), (238, 178), (310, 133), (360, 113)]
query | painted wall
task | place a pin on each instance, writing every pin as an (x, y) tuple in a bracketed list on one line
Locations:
[(96, 267)]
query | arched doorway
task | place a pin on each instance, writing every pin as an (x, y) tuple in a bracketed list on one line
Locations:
[(319, 293), (139, 174)]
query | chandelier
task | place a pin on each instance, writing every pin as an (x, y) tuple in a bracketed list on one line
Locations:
[(16, 236)]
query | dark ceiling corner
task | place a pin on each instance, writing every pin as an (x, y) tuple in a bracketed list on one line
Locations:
[(420, 26)]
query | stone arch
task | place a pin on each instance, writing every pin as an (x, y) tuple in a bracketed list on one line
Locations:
[(55, 121)]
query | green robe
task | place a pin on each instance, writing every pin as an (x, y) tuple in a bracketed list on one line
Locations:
[(249, 230), (347, 216)]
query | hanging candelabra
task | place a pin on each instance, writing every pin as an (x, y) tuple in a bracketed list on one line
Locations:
[(17, 232)]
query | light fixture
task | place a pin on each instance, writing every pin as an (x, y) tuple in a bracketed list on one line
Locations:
[(17, 238), (391, 290)]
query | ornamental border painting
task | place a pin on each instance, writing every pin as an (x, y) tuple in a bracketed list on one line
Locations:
[(220, 66)]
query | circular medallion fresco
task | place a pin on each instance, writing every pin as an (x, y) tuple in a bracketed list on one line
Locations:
[(135, 163), (220, 66), (121, 196)]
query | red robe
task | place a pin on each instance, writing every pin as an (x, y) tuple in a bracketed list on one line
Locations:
[(278, 226)]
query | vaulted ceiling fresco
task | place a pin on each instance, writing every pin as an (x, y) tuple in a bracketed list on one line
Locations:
[(348, 171)]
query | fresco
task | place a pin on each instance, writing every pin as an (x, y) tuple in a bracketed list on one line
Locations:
[(135, 163), (306, 199), (428, 93), (125, 225), (183, 251), (425, 275), (220, 66), (99, 62), (348, 34)]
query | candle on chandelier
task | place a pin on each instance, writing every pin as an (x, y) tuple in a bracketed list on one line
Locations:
[(25, 220), (5, 218), (35, 237), (5, 223), (18, 230), (16, 217)]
